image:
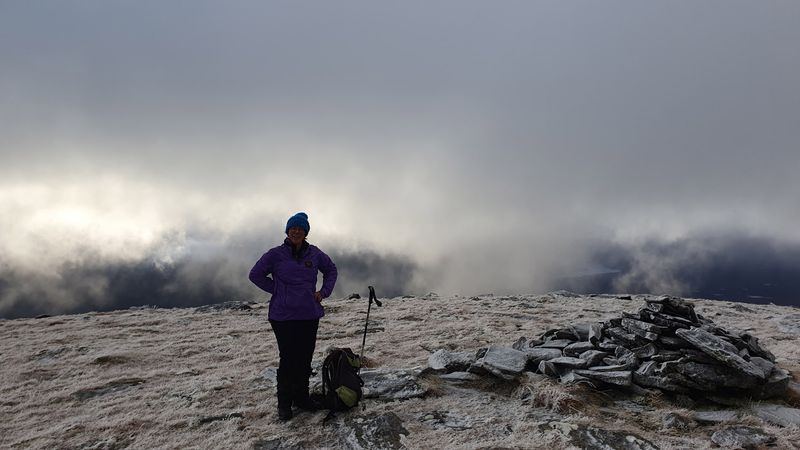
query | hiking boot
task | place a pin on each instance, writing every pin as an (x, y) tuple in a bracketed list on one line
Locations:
[(284, 413), (308, 404)]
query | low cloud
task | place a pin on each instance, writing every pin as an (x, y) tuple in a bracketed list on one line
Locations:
[(735, 265), (205, 272)]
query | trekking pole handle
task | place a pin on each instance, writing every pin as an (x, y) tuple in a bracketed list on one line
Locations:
[(373, 297)]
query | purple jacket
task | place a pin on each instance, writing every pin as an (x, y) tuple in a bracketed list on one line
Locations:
[(294, 280)]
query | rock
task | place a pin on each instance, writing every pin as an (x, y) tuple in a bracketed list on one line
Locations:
[(354, 296), (459, 377), (612, 368), (711, 417), (572, 377), (591, 438), (722, 351), (645, 351), (581, 330), (777, 384), (647, 368), (667, 355), (764, 364), (595, 333), (669, 321), (607, 345), (619, 378), (712, 377), (676, 421), (556, 343), (504, 362), (620, 336), (522, 344), (536, 355), (697, 356), (793, 393), (665, 383), (381, 432), (443, 360), (391, 384), (568, 363), (593, 357), (742, 437), (446, 420), (631, 325), (672, 343), (577, 348), (778, 415), (755, 349)]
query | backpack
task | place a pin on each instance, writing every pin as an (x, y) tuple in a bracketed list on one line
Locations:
[(341, 384)]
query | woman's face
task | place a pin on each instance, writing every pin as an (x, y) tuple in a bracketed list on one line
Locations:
[(296, 235)]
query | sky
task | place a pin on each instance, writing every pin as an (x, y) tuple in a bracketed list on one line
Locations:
[(150, 152)]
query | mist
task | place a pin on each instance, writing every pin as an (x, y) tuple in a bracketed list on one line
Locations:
[(150, 152)]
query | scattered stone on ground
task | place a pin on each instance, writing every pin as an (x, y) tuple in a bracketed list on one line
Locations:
[(391, 384), (740, 437), (778, 415), (381, 432)]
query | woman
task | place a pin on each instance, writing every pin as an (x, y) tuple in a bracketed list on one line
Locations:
[(295, 309)]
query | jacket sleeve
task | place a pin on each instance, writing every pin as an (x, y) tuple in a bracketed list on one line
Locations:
[(260, 272), (329, 274)]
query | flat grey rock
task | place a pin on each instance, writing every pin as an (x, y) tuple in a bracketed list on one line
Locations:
[(504, 362), (595, 333), (742, 437), (391, 384), (778, 415), (381, 432), (715, 416), (535, 355), (665, 383), (444, 360), (569, 362), (459, 376), (524, 343), (712, 377), (633, 324), (593, 357), (556, 343), (777, 384), (720, 350), (446, 420), (619, 378), (676, 421), (591, 438), (577, 348)]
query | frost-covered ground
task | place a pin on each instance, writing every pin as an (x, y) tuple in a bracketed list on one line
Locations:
[(182, 378)]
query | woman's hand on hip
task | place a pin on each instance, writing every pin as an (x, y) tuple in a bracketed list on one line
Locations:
[(318, 297)]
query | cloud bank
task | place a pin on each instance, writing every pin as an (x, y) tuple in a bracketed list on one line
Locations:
[(496, 148)]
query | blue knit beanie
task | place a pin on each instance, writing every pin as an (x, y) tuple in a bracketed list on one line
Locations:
[(299, 220)]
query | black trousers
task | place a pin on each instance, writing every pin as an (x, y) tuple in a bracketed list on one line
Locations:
[(296, 342)]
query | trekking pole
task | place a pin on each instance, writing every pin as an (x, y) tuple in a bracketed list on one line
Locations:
[(372, 298)]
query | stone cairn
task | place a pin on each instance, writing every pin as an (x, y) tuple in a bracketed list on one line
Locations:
[(665, 345)]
